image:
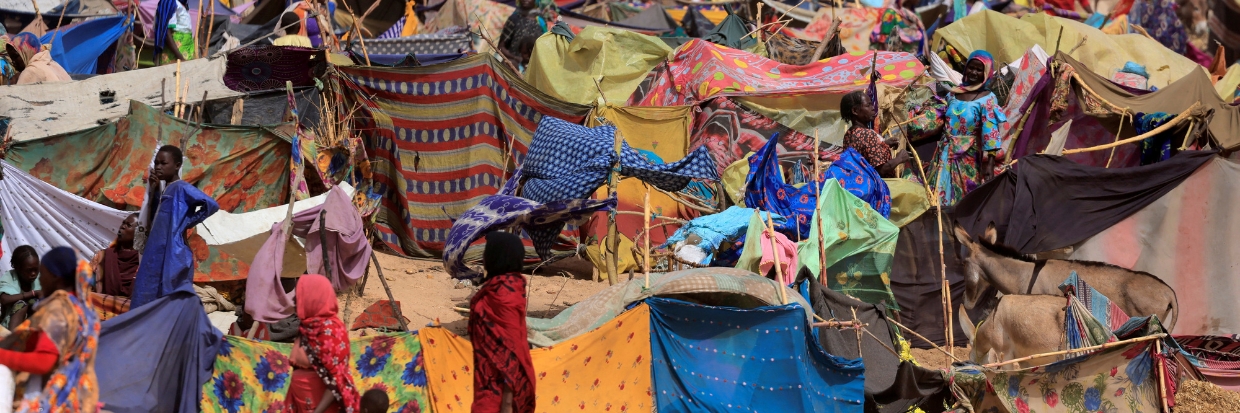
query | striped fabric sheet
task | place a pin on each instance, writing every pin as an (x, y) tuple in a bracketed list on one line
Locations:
[(438, 136)]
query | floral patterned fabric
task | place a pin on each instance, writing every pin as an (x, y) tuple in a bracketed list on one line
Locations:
[(250, 376), (1116, 380), (869, 144), (956, 162), (606, 369), (701, 70), (393, 363), (1159, 18), (898, 30)]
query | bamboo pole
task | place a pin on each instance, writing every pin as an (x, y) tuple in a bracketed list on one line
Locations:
[(1170, 124), (822, 248), (840, 324), (1162, 379), (779, 270), (646, 241), (206, 49), (1079, 350), (176, 92), (194, 29)]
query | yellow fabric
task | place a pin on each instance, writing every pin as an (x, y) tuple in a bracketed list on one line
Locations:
[(293, 40), (1117, 26), (715, 16), (1226, 86), (411, 21), (734, 180), (624, 257), (604, 370), (618, 59), (908, 200), (1008, 38)]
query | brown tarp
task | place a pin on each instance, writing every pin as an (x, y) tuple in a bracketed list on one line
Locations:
[(1178, 96)]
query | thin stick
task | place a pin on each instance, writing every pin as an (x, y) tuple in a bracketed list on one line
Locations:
[(206, 49), (839, 324), (1162, 380), (557, 293), (194, 29), (176, 92), (1172, 123), (1079, 350), (822, 248), (1122, 116), (362, 41), (923, 338), (646, 242), (391, 299), (830, 34), (779, 269), (59, 20)]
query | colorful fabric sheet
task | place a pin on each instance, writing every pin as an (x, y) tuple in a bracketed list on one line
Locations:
[(731, 132), (1119, 379), (249, 376), (618, 59), (856, 26), (715, 229), (379, 315), (393, 363), (669, 177), (542, 221), (860, 247), (1101, 307), (242, 168), (419, 44), (437, 137), (256, 68), (700, 70), (723, 359), (761, 248), (480, 16), (606, 369), (567, 161)]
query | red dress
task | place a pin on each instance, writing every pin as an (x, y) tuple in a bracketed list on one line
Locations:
[(497, 331), (307, 388)]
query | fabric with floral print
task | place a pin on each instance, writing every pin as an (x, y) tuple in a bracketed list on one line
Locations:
[(898, 30), (955, 169), (249, 376), (869, 144), (858, 243), (393, 363), (701, 70), (1114, 380), (606, 369)]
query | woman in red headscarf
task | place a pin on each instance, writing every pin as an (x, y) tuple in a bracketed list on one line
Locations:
[(503, 369), (321, 379)]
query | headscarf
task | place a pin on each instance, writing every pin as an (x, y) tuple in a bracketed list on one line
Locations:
[(988, 61), (120, 268), (325, 338), (504, 253), (72, 324), (21, 47)]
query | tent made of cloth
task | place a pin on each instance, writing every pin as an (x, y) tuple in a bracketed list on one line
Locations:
[(1173, 98), (73, 106), (242, 168), (616, 59), (916, 279), (1007, 38), (438, 137), (147, 9), (78, 47), (700, 70), (856, 25), (709, 286), (1187, 238), (480, 16), (418, 44)]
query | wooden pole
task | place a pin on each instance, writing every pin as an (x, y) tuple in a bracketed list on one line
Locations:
[(1079, 350), (206, 48), (1163, 128), (646, 240), (822, 248), (176, 93), (923, 338), (835, 26), (391, 299), (779, 270), (194, 29), (1162, 379), (327, 264)]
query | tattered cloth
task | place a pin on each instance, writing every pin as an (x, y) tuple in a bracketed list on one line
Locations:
[(379, 315), (710, 358), (701, 70), (542, 221)]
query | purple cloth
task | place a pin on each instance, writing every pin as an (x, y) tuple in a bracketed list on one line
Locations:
[(265, 298)]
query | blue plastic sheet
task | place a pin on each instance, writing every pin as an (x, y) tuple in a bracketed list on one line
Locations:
[(714, 359), (77, 48), (156, 358)]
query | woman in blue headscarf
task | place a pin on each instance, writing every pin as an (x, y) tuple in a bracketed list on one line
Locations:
[(971, 148)]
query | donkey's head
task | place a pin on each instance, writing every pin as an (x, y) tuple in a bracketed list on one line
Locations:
[(974, 276)]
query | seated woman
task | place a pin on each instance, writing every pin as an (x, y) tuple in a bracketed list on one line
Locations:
[(321, 382), (57, 344), (970, 150), (859, 112), (19, 289), (117, 265)]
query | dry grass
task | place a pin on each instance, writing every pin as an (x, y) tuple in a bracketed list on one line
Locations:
[(937, 360), (1204, 397)]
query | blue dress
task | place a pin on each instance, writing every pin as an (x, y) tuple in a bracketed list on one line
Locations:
[(167, 262)]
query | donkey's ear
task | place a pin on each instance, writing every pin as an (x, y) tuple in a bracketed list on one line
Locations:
[(991, 236), (962, 236)]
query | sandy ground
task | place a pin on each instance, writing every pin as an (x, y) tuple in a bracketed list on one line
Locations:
[(428, 295)]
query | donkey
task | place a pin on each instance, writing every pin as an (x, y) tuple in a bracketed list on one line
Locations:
[(1019, 326), (988, 264)]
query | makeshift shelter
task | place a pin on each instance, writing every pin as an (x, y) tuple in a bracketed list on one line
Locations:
[(856, 24), (1007, 38), (618, 60), (916, 279), (79, 47), (439, 139), (74, 106), (432, 43), (242, 168), (480, 16)]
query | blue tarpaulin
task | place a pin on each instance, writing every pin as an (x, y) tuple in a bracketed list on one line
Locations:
[(714, 359), (78, 47), (157, 357)]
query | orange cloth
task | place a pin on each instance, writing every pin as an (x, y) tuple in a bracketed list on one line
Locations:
[(604, 370), (41, 68)]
